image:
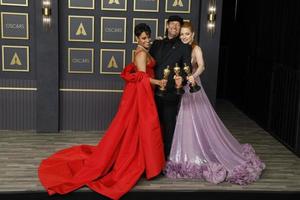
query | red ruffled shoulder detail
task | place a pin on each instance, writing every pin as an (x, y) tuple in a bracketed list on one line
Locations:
[(130, 74)]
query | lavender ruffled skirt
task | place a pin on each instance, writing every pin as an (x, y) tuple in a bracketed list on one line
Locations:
[(203, 147)]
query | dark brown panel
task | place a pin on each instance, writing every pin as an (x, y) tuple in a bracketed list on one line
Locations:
[(285, 106), (88, 111), (17, 109)]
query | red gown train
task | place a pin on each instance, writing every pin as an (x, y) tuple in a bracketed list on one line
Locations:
[(131, 146)]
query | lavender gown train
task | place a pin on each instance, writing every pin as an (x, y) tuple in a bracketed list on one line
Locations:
[(204, 148)]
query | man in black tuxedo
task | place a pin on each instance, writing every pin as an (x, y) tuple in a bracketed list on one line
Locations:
[(169, 52)]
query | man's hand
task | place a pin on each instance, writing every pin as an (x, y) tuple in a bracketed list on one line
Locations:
[(162, 83), (178, 81)]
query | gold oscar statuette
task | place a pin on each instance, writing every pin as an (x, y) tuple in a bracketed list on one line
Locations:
[(162, 90), (193, 87), (178, 88)]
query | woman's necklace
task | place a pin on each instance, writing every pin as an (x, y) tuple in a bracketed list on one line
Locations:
[(143, 48)]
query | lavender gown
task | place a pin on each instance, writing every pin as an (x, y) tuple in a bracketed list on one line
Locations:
[(204, 148)]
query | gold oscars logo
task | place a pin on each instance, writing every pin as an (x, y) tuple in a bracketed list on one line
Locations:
[(81, 30), (177, 3), (114, 2), (15, 60), (112, 63)]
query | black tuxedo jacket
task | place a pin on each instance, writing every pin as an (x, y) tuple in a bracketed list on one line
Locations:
[(167, 53)]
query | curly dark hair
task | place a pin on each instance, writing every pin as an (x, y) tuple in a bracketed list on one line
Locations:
[(140, 28)]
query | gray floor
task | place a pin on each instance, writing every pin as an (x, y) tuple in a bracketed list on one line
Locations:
[(21, 153)]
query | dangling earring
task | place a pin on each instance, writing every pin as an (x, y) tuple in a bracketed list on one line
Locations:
[(192, 40)]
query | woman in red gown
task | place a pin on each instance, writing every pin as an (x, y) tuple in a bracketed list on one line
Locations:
[(131, 146)]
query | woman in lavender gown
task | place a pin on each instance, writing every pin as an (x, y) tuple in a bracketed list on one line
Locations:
[(202, 146)]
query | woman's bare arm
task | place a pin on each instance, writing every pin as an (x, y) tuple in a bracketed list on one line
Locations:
[(199, 60), (140, 62)]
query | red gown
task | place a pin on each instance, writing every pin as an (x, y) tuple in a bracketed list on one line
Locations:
[(131, 146)]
